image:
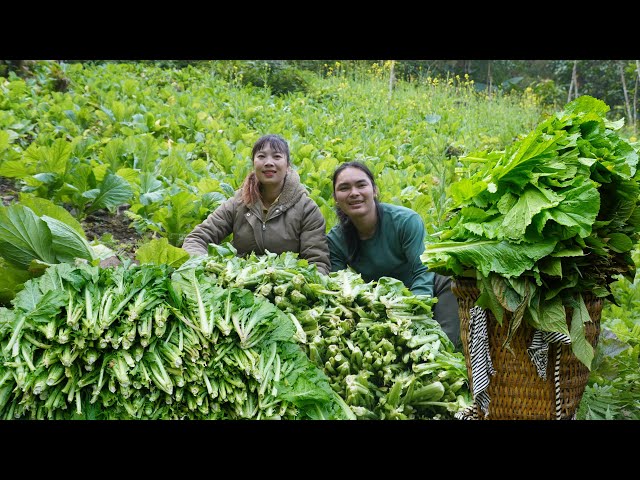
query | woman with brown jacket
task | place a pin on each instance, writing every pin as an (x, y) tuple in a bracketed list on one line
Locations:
[(270, 212)]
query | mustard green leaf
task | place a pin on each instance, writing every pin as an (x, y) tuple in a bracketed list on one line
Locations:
[(55, 156), (575, 215), (551, 266), (67, 243), (587, 104), (37, 267), (422, 204), (508, 291), (100, 251), (623, 162), (488, 299), (151, 189), (24, 236), (81, 179), (582, 349), (490, 229), (91, 194), (27, 299), (159, 251), (568, 251), (486, 256), (550, 316), (506, 203), (113, 153), (517, 169), (4, 140), (619, 242), (12, 280), (44, 206), (7, 315), (517, 317), (46, 178), (133, 176), (531, 202), (14, 169), (478, 214), (114, 191), (466, 189), (619, 202), (41, 305)]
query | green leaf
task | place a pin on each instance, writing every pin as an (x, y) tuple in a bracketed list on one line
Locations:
[(12, 280), (489, 300), (114, 191), (223, 251), (113, 153), (180, 213), (620, 243), (151, 189), (504, 258), (145, 153), (133, 176), (227, 189), (24, 236), (531, 202), (576, 213), (14, 169), (587, 104), (508, 291), (549, 315), (570, 251), (579, 344), (466, 189), (4, 140), (54, 158), (68, 244), (551, 266), (159, 251), (44, 206), (38, 305)]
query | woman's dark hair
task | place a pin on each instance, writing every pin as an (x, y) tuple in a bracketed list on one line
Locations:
[(276, 142), (349, 229), (251, 187)]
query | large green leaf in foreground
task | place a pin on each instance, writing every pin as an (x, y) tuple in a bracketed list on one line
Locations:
[(24, 236)]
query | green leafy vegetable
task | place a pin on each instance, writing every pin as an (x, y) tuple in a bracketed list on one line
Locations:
[(551, 217), (24, 236)]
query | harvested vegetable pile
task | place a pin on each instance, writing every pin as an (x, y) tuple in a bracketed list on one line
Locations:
[(223, 338), (377, 343), (84, 342)]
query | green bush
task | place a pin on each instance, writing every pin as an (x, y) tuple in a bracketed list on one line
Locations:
[(279, 77)]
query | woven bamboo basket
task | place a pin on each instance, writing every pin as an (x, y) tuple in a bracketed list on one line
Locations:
[(516, 390)]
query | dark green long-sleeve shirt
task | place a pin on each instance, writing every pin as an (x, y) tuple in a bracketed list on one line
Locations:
[(393, 251)]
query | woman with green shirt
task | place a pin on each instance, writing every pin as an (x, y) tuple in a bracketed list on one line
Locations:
[(379, 239)]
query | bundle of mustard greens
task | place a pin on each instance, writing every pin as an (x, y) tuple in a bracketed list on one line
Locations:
[(550, 218)]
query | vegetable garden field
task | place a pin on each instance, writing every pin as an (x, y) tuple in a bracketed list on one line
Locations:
[(104, 159)]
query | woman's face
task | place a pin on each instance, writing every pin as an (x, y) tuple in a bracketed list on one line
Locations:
[(270, 166), (354, 194)]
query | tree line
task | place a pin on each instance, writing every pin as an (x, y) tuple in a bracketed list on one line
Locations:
[(556, 82)]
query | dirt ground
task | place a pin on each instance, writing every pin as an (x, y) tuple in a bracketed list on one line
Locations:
[(125, 238)]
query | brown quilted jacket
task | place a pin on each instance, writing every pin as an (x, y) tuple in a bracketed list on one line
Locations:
[(294, 223)]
